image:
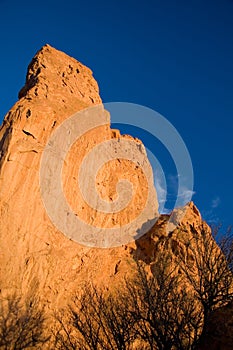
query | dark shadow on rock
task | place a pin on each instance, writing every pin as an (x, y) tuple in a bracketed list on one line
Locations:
[(219, 331), (147, 245)]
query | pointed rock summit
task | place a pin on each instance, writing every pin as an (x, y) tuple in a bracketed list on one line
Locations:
[(56, 87), (52, 73)]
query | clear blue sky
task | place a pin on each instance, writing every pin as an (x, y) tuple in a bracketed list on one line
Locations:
[(173, 56)]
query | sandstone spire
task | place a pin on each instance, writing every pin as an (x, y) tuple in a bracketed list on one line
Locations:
[(37, 260), (36, 257)]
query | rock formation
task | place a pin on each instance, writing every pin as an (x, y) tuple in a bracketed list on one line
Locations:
[(36, 259)]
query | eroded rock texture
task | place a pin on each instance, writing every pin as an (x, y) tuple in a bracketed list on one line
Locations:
[(36, 259)]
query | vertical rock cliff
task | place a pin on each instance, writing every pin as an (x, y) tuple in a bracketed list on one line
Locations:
[(36, 258)]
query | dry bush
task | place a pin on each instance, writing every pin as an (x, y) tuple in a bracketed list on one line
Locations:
[(158, 307), (209, 272), (21, 324)]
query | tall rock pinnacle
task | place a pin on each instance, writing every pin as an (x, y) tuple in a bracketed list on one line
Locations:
[(39, 261), (36, 258)]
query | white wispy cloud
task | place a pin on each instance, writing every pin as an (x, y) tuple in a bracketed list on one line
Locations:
[(215, 202), (210, 217), (210, 214), (185, 195), (161, 191)]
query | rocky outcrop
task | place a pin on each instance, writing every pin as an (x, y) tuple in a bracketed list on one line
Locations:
[(36, 258)]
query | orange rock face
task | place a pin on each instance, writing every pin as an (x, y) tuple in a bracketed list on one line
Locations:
[(36, 258), (40, 261)]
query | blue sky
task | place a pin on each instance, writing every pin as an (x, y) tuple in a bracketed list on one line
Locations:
[(175, 57)]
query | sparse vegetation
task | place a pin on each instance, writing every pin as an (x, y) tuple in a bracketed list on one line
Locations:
[(209, 272), (21, 324), (165, 305), (158, 308)]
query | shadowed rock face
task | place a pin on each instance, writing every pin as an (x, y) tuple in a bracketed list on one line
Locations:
[(219, 333)]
